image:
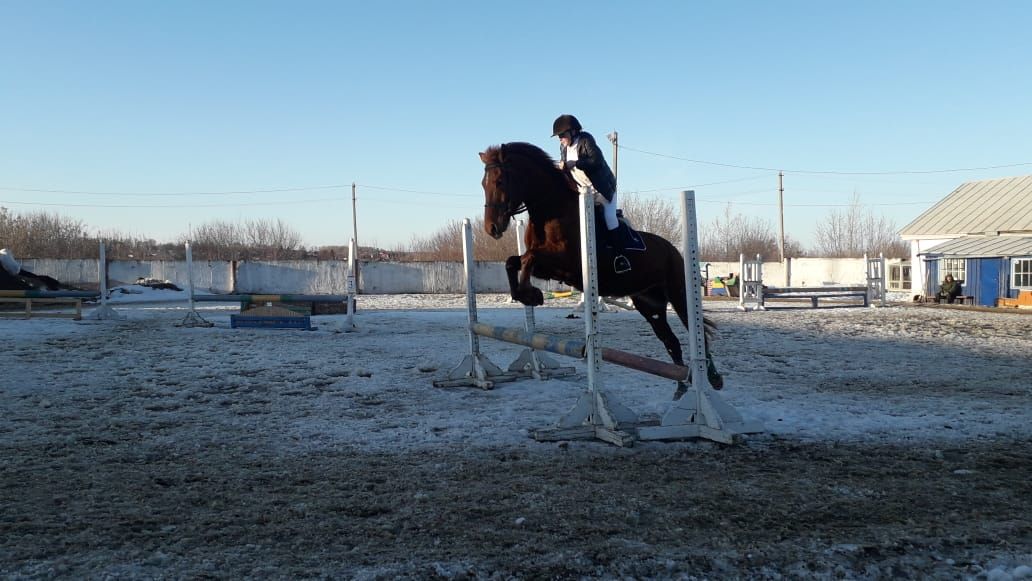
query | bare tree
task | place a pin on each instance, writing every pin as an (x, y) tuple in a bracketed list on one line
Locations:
[(271, 239), (44, 235), (857, 231), (659, 216), (250, 240), (732, 235), (216, 240), (446, 243)]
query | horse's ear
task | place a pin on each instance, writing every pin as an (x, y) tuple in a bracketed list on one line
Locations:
[(483, 157)]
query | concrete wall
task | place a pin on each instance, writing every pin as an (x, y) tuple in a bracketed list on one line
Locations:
[(327, 276), (292, 276), (802, 271)]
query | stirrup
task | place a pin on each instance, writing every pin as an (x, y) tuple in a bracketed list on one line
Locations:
[(621, 264)]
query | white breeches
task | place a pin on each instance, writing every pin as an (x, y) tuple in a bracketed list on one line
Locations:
[(608, 207)]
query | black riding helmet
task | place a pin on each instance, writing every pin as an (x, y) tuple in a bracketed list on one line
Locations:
[(565, 123)]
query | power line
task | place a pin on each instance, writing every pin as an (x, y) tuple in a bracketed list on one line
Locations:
[(233, 205), (390, 189), (711, 201), (826, 172), (681, 188), (156, 194)]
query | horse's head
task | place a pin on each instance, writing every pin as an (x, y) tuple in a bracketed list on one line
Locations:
[(499, 205), (518, 177)]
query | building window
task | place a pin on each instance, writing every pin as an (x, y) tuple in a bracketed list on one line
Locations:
[(1021, 273), (954, 266), (899, 277)]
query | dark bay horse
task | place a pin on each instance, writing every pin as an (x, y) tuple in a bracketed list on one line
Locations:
[(522, 177)]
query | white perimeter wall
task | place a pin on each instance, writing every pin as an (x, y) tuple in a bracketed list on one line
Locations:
[(802, 271), (327, 276)]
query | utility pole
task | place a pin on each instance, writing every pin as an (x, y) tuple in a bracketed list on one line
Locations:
[(354, 218), (781, 215), (614, 138)]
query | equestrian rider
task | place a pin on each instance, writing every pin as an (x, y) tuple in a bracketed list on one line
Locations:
[(578, 150)]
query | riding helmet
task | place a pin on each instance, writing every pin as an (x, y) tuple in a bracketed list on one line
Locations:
[(565, 123)]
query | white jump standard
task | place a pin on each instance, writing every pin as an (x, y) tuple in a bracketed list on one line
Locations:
[(753, 294)]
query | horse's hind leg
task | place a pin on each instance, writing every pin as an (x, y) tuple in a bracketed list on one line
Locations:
[(679, 299), (652, 305)]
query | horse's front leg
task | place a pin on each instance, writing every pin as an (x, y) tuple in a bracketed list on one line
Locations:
[(518, 269)]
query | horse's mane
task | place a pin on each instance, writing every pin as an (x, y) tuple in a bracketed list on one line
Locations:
[(530, 162)]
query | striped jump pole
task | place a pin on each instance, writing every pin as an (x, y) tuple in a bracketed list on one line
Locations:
[(578, 349), (531, 361), (47, 294), (701, 412), (270, 298)]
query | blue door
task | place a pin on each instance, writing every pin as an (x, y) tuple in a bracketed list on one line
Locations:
[(989, 281)]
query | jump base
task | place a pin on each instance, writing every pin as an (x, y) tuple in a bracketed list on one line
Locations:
[(260, 322)]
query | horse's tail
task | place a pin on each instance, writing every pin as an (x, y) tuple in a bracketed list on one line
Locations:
[(677, 292)]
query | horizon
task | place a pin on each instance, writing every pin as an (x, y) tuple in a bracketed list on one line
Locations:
[(150, 120)]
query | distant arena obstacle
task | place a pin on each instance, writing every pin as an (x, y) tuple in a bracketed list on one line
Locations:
[(270, 316), (104, 312), (754, 294), (700, 413), (61, 298)]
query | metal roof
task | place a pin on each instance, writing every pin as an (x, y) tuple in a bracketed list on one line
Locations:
[(984, 207), (983, 247)]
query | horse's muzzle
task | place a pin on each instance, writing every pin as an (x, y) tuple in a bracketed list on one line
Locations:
[(496, 232)]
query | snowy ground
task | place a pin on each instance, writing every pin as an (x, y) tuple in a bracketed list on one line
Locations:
[(897, 443)]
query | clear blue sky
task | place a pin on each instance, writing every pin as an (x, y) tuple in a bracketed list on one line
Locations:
[(146, 104)]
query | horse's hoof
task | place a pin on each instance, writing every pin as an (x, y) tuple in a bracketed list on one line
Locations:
[(537, 298), (716, 380), (682, 388)]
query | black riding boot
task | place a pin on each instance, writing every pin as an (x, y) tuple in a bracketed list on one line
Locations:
[(615, 241)]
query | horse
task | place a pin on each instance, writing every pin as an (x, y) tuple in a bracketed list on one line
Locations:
[(521, 177)]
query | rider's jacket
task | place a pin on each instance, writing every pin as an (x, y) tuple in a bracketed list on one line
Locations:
[(589, 160)]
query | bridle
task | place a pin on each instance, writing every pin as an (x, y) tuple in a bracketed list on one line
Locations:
[(504, 207)]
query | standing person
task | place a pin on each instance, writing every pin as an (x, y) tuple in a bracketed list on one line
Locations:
[(578, 150)]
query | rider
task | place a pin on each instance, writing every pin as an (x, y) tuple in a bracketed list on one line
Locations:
[(577, 149)]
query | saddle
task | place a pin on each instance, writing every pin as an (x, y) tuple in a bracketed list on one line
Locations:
[(631, 238)]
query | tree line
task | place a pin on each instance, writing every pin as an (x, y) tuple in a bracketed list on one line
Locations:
[(843, 234), (852, 232)]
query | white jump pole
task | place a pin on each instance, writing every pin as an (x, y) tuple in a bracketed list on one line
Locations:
[(192, 319), (531, 362), (104, 312), (351, 286), (475, 369), (596, 415), (701, 412)]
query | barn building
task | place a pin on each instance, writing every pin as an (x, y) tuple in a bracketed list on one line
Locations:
[(981, 233)]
